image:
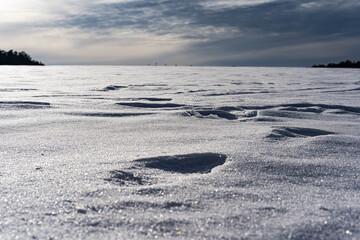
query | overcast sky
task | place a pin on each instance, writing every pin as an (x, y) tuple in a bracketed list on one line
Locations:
[(198, 32)]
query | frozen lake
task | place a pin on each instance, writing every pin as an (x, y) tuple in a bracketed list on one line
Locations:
[(111, 152)]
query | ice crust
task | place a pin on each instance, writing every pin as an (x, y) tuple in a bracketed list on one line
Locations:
[(179, 153)]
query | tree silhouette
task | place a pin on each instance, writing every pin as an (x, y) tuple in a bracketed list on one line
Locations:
[(17, 58), (343, 64)]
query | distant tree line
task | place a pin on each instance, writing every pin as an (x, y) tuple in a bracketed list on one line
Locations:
[(17, 58), (343, 64)]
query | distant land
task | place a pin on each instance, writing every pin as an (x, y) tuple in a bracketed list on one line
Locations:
[(17, 58), (343, 64)]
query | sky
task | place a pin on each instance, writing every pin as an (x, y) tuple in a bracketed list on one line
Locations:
[(187, 32)]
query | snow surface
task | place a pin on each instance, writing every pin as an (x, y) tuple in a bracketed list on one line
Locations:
[(95, 152)]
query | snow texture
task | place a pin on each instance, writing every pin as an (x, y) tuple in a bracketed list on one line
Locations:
[(179, 153)]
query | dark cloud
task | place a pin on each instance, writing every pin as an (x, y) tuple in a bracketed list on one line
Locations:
[(279, 16), (237, 29)]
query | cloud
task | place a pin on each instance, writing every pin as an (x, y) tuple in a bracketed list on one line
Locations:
[(300, 54), (232, 3), (204, 31), (190, 19)]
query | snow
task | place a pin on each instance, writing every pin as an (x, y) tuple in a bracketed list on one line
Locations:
[(115, 152)]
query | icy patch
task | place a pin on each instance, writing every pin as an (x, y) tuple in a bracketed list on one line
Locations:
[(233, 93), (197, 91), (200, 113), (67, 95), (155, 99), (149, 85), (17, 89), (284, 114), (112, 88), (124, 178), (111, 115), (294, 132), (24, 104), (219, 113), (190, 163), (150, 105), (306, 107), (146, 205), (265, 119)]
